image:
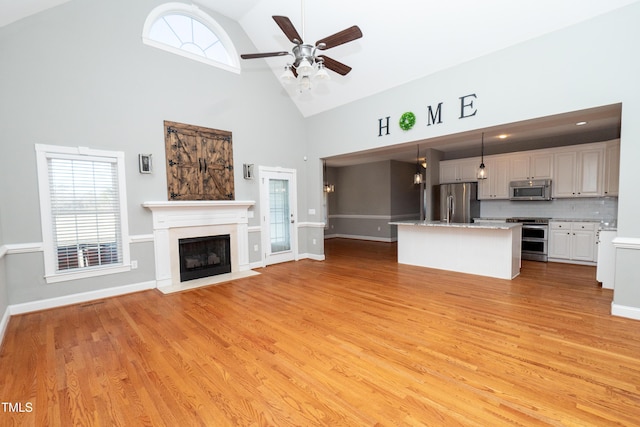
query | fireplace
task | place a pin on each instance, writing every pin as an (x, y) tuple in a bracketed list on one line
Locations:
[(204, 256), (188, 219)]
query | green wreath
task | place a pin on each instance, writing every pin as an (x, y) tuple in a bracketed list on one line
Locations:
[(407, 120)]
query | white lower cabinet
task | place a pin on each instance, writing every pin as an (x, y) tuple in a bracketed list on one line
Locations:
[(606, 270), (571, 241)]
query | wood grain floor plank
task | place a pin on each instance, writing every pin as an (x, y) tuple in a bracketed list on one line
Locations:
[(355, 340)]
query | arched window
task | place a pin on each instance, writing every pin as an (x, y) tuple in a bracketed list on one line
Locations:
[(186, 30)]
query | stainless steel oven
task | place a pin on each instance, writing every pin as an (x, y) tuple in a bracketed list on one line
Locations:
[(535, 238)]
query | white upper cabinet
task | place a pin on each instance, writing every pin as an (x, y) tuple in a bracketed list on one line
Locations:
[(579, 172), (496, 186), (541, 166), (529, 165), (612, 167), (564, 175), (460, 170), (585, 170)]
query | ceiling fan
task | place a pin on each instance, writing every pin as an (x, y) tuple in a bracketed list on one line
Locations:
[(307, 63)]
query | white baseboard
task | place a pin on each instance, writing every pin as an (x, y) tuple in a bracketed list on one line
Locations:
[(257, 264), (314, 257), (45, 304), (3, 324), (571, 261), (625, 311), (356, 237)]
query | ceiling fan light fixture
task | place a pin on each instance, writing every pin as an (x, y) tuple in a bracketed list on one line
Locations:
[(305, 69), (304, 84), (322, 74), (287, 76), (307, 65)]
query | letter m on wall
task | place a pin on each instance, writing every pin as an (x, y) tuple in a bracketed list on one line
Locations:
[(434, 117)]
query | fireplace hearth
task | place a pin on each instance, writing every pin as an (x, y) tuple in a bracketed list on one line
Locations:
[(204, 256)]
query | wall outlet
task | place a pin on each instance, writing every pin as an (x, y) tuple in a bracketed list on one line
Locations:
[(255, 248), (312, 211), (314, 241), (134, 264), (378, 228)]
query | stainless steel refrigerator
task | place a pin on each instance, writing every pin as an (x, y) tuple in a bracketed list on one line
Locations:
[(458, 202)]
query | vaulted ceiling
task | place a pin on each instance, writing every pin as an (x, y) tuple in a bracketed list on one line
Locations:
[(403, 40)]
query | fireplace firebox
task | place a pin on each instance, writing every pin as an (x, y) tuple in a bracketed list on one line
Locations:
[(204, 256)]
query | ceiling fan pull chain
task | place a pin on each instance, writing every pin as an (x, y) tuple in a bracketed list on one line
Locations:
[(304, 36)]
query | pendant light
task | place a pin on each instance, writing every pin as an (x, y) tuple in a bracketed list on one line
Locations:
[(417, 177), (327, 188), (482, 172)]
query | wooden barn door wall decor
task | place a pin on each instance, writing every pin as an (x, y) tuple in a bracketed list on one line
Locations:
[(199, 163)]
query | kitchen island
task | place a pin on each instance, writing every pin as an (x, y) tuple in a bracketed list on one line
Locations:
[(484, 249)]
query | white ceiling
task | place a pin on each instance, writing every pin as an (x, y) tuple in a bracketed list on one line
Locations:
[(403, 40)]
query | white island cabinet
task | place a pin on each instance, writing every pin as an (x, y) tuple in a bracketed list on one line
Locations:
[(484, 249)]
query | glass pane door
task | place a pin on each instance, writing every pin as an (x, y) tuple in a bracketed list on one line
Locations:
[(279, 215), (279, 234)]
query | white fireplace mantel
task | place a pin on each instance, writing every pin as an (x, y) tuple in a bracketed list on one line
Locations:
[(195, 218)]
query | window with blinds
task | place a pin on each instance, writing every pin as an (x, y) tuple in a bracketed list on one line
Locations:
[(83, 214)]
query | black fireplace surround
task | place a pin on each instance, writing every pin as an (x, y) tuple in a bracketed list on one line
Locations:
[(204, 256)]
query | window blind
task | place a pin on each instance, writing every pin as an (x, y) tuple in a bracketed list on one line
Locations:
[(85, 209)]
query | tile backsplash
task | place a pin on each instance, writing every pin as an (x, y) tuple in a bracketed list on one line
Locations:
[(601, 209)]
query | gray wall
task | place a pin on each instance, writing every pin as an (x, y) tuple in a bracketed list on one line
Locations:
[(587, 65), (368, 196), (79, 75), (4, 296)]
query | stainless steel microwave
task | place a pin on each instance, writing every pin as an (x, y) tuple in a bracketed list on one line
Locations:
[(535, 189)]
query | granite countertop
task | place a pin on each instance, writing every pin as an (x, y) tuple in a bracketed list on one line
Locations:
[(491, 226), (575, 220), (604, 225)]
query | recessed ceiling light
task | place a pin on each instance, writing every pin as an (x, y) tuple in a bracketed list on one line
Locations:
[(581, 123), (503, 136)]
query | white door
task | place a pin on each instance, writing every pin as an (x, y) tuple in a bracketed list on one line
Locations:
[(277, 206)]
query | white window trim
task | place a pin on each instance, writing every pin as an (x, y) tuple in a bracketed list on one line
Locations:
[(192, 11), (50, 258)]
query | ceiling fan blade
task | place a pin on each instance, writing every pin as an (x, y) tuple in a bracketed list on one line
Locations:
[(334, 65), (262, 55), (288, 29), (342, 37)]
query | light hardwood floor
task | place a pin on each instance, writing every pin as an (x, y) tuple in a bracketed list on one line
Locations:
[(356, 340)]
